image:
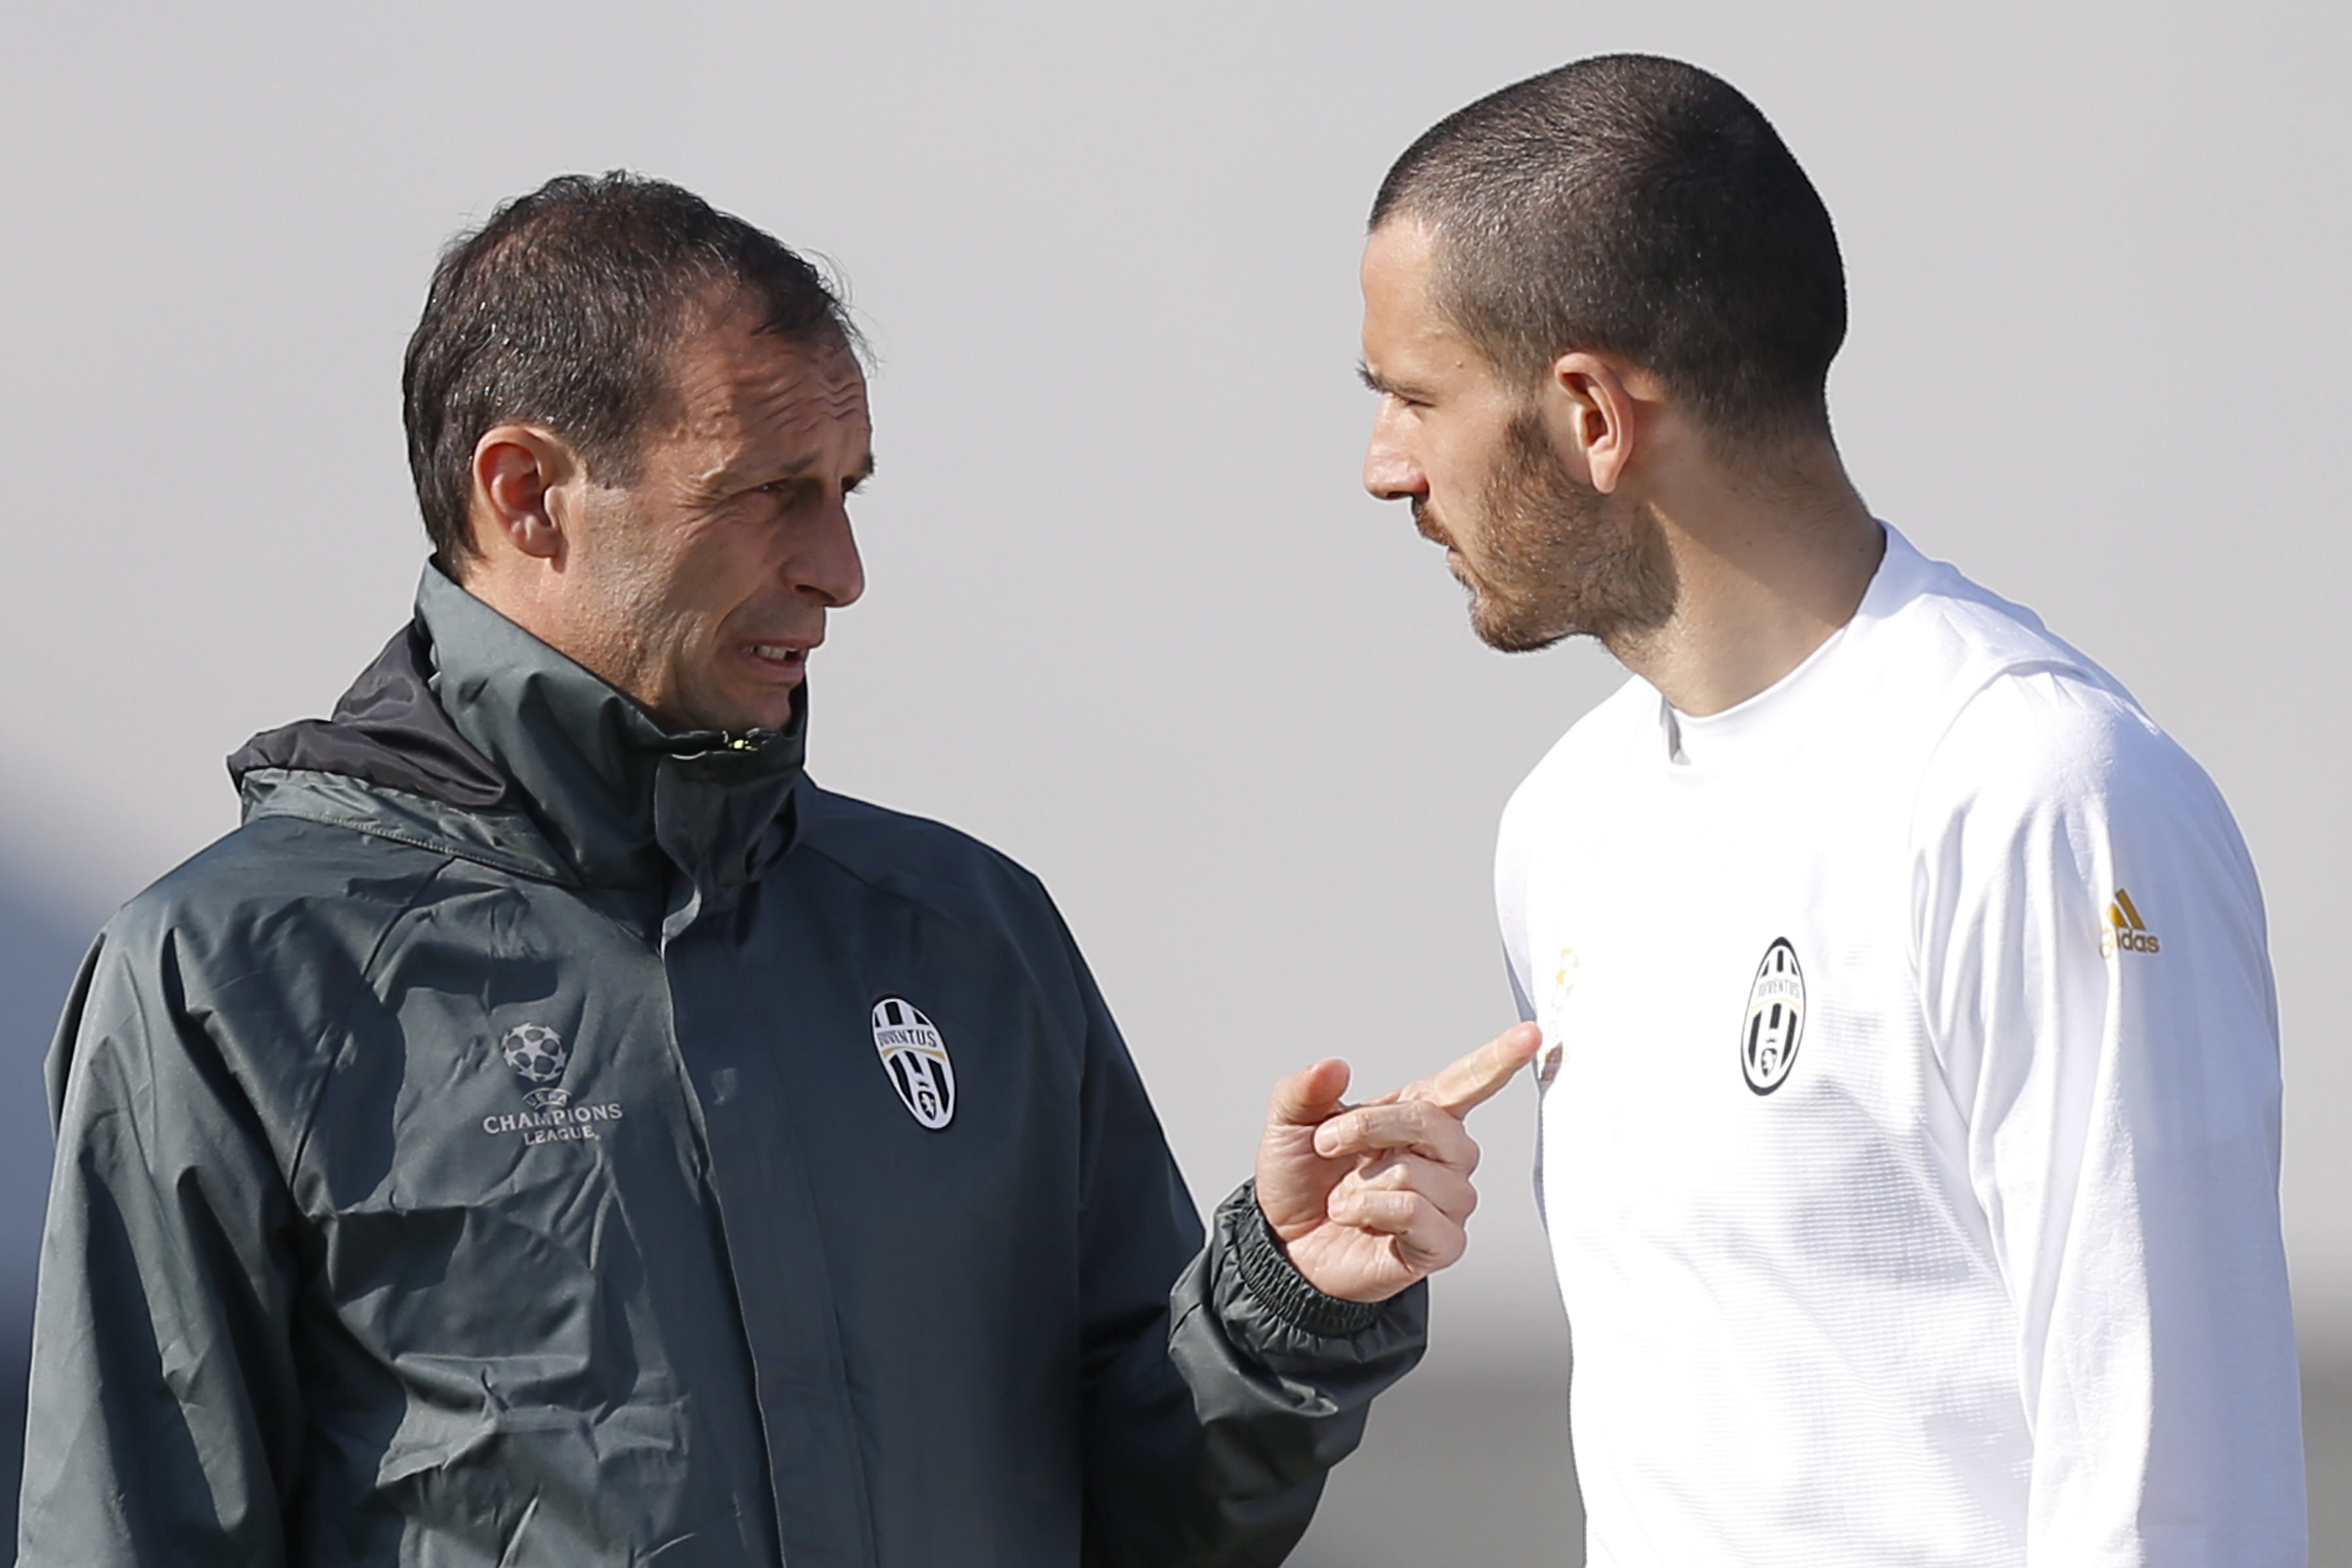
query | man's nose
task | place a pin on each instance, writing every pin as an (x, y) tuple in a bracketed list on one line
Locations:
[(830, 568), (1390, 470)]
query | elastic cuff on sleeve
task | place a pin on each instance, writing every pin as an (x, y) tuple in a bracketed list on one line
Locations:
[(1275, 1280)]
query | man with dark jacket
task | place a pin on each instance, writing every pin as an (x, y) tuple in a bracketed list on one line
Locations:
[(552, 1130)]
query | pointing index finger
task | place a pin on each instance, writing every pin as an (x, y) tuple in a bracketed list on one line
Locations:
[(1474, 1080)]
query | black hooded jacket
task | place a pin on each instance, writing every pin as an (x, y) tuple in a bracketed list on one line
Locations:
[(536, 1138)]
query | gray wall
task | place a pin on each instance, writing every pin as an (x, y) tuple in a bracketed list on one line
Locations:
[(1129, 617)]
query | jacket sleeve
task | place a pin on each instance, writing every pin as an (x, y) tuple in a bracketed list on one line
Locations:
[(164, 1424), (1212, 1410), (2091, 954)]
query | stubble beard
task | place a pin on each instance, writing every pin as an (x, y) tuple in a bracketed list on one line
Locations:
[(1550, 557)]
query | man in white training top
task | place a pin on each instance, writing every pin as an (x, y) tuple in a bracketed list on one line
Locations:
[(1910, 1123)]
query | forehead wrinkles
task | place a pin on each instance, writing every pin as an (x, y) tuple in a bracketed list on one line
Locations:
[(817, 390), (764, 390)]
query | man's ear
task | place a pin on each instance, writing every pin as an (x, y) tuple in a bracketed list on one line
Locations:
[(1597, 409), (519, 503)]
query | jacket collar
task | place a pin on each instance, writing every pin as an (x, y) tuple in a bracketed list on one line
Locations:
[(616, 795)]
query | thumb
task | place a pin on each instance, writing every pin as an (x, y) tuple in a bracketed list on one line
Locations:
[(1310, 1096)]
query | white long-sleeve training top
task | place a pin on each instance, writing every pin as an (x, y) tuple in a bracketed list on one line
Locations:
[(1910, 1138)]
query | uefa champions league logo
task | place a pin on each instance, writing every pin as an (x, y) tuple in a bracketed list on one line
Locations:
[(540, 1057), (537, 1054)]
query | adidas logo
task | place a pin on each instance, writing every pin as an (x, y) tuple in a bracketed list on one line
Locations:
[(2125, 930)]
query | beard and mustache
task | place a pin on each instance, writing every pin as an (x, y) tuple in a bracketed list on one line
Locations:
[(1548, 557)]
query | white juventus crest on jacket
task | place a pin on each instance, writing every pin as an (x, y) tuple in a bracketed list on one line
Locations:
[(1775, 1024), (915, 1058)]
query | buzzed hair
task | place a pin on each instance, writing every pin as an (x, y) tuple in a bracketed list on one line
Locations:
[(1641, 208), (564, 311)]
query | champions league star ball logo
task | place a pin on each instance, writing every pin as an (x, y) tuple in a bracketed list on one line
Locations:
[(535, 1053), (539, 1057), (1553, 1015)]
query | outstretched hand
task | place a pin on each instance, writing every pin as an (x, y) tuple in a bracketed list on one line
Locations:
[(1368, 1198)]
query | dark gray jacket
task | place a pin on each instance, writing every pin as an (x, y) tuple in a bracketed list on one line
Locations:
[(533, 1138)]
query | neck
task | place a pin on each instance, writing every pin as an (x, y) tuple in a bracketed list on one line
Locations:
[(1769, 561)]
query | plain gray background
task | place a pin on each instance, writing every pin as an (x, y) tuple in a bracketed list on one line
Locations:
[(1130, 616)]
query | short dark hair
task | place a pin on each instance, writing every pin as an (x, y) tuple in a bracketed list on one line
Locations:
[(1638, 206), (563, 311)]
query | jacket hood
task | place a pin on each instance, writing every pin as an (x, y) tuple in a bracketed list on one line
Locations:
[(475, 715), (386, 730)]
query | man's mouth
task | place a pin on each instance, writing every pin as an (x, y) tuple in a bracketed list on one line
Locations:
[(1426, 524), (785, 656)]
